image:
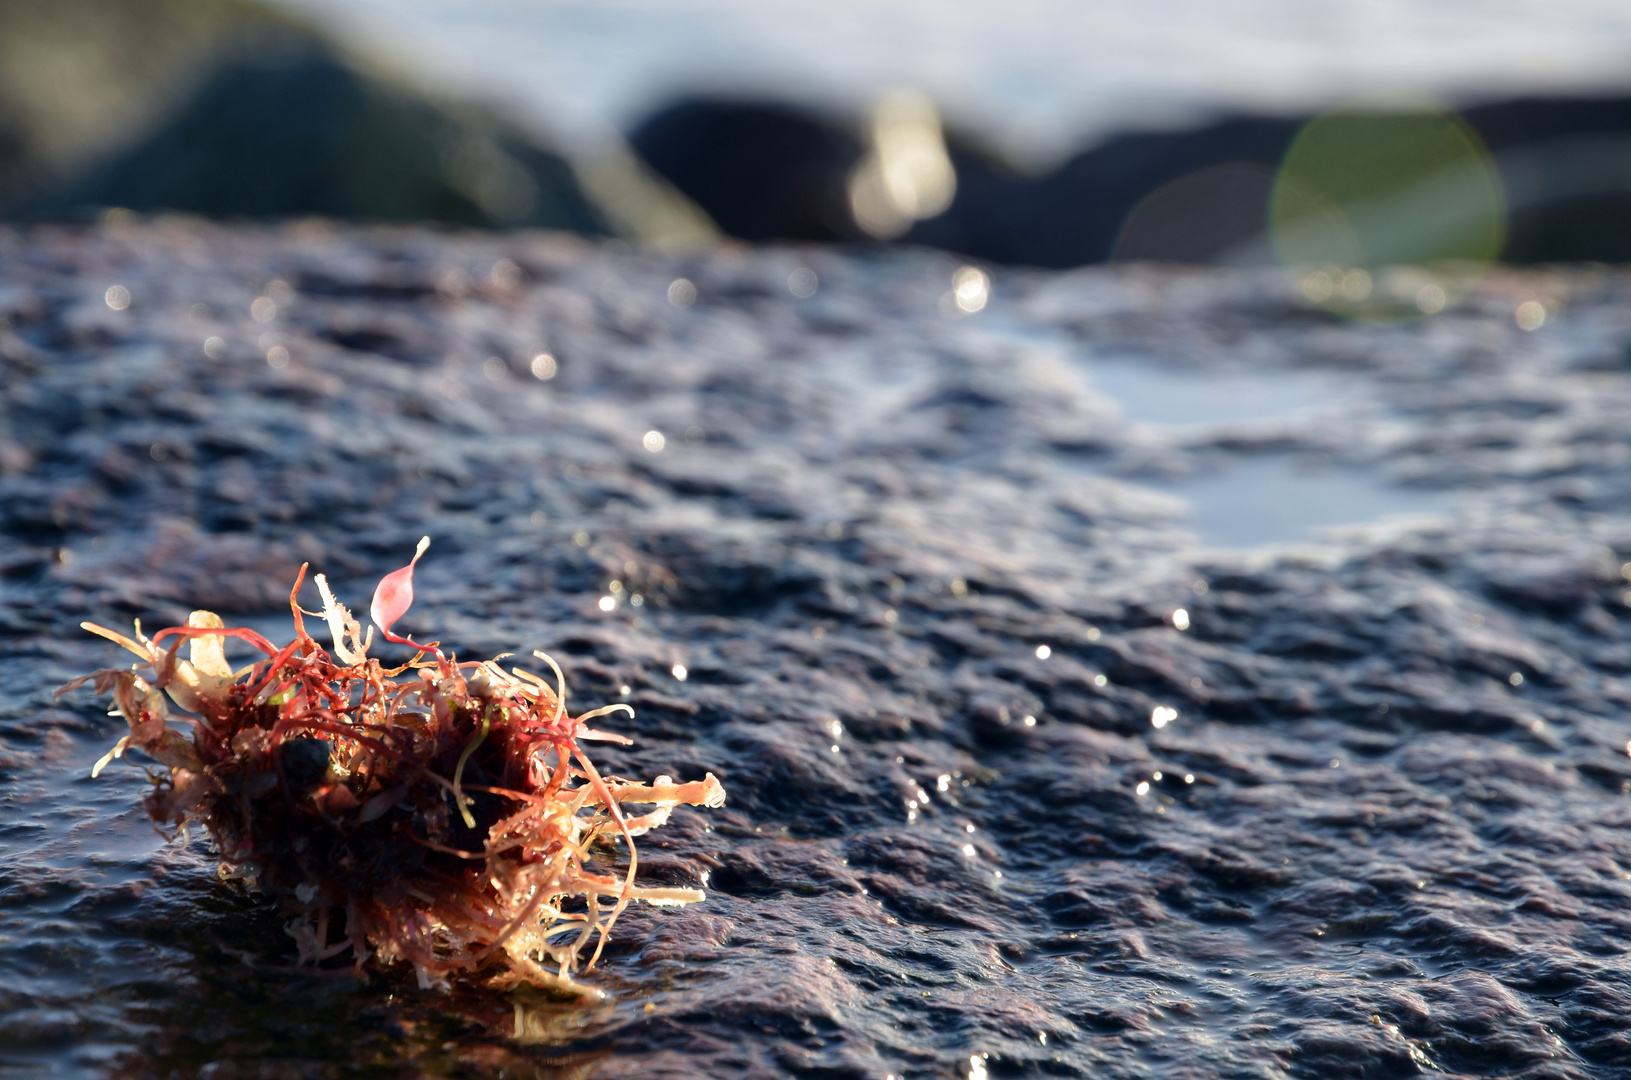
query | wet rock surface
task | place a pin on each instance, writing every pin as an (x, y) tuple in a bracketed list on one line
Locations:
[(995, 808)]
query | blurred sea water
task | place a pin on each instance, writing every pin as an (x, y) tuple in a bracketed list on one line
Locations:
[(1035, 77)]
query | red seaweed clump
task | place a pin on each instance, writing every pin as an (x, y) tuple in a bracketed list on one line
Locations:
[(439, 813)]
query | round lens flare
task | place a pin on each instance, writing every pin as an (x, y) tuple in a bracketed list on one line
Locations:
[(1387, 214)]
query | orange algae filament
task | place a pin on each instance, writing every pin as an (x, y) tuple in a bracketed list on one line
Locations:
[(439, 813)]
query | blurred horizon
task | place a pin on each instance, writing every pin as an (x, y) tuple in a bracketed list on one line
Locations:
[(1043, 134), (1036, 79)]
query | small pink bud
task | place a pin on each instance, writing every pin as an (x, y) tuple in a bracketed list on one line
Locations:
[(394, 596)]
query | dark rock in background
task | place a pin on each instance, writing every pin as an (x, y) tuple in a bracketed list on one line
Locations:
[(299, 131), (254, 116), (226, 108), (1075, 214), (1384, 832), (78, 76), (762, 171), (1566, 165), (1197, 195)]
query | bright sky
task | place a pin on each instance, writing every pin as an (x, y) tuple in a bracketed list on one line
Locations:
[(1037, 76)]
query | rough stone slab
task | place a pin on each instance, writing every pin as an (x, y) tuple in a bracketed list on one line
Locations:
[(1389, 828)]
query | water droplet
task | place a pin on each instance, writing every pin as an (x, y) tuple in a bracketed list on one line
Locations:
[(970, 289), (682, 293)]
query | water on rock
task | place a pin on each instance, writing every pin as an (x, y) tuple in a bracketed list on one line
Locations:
[(1029, 775)]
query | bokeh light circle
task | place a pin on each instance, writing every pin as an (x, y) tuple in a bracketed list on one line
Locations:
[(1389, 214)]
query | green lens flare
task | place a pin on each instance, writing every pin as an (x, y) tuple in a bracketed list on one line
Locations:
[(1385, 213)]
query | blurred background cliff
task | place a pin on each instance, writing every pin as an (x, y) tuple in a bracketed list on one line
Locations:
[(233, 109), (1048, 133)]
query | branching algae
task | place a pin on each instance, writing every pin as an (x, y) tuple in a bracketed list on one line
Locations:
[(439, 813)]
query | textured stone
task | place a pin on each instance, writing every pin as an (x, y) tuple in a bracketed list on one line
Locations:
[(1389, 828)]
